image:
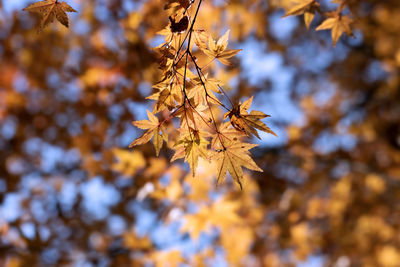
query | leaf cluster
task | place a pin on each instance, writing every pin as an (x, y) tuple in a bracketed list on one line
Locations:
[(334, 21), (187, 92)]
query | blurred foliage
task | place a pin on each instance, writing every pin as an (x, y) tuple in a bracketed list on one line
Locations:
[(330, 185)]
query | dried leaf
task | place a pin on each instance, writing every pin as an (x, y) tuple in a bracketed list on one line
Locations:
[(50, 9)]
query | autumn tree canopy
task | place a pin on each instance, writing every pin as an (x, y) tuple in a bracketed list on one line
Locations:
[(199, 133)]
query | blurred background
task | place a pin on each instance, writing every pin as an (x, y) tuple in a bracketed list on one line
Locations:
[(73, 194)]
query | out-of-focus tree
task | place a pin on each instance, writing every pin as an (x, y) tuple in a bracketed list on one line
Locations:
[(72, 193)]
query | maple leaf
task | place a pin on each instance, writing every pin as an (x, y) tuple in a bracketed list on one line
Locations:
[(191, 146), (154, 128), (306, 7), (203, 89), (200, 38), (195, 118), (226, 133), (232, 158), (50, 9), (338, 25), (248, 123), (218, 49)]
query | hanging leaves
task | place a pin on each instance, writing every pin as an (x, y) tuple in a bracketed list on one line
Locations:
[(336, 22), (189, 94), (50, 9), (306, 7), (338, 25)]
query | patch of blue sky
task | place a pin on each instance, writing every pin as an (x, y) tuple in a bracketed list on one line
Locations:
[(146, 220), (137, 109), (32, 145), (62, 119), (43, 210), (351, 118), (112, 37), (53, 78), (311, 57), (71, 91), (50, 256), (68, 195), (32, 181), (145, 89), (157, 40), (16, 165), (357, 38), (81, 26), (116, 225), (260, 66), (3, 185), (190, 247), (324, 95), (257, 63), (74, 58), (74, 128), (20, 82), (98, 197), (167, 235), (115, 111), (28, 230), (341, 169), (10, 209), (131, 6), (313, 261), (165, 180), (127, 136), (10, 6), (219, 259), (329, 142), (50, 157), (8, 127), (44, 233), (375, 72), (102, 12), (282, 29)]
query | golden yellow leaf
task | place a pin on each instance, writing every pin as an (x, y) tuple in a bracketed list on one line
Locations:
[(245, 122), (191, 146), (154, 128), (306, 7), (232, 158), (218, 49), (337, 25)]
